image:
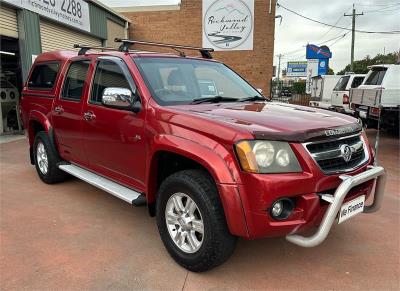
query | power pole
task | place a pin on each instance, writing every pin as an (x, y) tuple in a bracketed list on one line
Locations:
[(353, 34), (279, 69)]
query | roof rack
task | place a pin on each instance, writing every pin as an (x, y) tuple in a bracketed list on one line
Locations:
[(126, 43), (84, 48)]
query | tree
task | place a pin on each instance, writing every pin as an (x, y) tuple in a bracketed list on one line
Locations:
[(330, 71), (361, 66)]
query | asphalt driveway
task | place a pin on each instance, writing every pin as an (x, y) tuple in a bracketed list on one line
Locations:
[(73, 236)]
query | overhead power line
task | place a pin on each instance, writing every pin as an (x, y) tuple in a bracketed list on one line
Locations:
[(379, 5), (334, 26)]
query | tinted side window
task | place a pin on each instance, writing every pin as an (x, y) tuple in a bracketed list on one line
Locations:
[(342, 83), (108, 74), (44, 76), (376, 76), (357, 82), (75, 80)]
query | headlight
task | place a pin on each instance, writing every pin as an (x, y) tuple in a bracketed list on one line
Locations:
[(258, 156)]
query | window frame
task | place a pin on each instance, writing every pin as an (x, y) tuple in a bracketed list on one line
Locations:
[(62, 97), (58, 63), (125, 70)]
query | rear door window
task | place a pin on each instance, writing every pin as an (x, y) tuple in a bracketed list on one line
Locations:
[(357, 82), (75, 80), (376, 76), (43, 76), (342, 83)]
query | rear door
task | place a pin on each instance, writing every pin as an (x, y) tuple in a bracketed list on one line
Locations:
[(67, 110), (339, 91), (114, 138)]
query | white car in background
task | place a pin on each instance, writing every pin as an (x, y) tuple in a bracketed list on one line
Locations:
[(321, 90), (378, 97), (340, 98)]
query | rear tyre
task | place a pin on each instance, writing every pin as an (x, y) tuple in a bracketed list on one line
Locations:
[(46, 160), (191, 221)]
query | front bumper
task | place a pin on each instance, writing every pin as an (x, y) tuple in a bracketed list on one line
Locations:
[(336, 201)]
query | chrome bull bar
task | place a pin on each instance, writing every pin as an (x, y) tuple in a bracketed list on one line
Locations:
[(336, 201)]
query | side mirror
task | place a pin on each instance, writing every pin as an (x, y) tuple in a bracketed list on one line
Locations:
[(120, 98)]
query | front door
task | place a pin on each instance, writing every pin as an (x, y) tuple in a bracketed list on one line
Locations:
[(67, 111), (113, 138)]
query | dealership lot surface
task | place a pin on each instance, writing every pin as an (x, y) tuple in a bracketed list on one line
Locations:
[(74, 236)]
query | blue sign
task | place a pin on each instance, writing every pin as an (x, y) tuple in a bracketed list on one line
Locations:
[(323, 65), (296, 69), (316, 52)]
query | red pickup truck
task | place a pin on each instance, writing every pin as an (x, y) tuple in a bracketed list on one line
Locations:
[(210, 156)]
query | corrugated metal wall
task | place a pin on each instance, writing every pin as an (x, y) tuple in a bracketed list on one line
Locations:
[(98, 20), (8, 22), (56, 37)]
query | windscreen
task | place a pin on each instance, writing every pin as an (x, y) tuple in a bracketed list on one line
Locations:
[(173, 81)]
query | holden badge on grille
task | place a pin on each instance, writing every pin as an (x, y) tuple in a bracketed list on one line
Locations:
[(346, 152)]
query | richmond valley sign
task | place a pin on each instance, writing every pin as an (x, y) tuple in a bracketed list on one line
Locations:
[(228, 24)]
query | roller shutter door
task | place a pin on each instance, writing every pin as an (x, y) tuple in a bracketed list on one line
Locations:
[(8, 22), (55, 36), (114, 30)]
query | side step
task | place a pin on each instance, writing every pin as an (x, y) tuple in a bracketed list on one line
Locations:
[(105, 184)]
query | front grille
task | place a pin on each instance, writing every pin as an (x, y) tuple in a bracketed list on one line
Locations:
[(329, 157)]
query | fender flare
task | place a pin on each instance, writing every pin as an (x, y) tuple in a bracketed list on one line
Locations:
[(217, 161), (39, 117)]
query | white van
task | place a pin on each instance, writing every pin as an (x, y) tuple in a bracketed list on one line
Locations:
[(379, 95), (321, 90), (340, 96)]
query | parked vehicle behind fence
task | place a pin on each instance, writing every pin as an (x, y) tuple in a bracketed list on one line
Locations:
[(340, 99), (379, 97)]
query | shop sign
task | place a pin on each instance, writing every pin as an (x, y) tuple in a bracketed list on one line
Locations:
[(296, 69), (228, 24), (70, 12)]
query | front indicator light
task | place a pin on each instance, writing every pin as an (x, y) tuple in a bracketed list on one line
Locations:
[(246, 157)]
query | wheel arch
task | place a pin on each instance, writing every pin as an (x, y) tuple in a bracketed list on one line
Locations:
[(192, 155), (39, 122)]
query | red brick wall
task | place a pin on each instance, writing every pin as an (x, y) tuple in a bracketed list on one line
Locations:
[(184, 26)]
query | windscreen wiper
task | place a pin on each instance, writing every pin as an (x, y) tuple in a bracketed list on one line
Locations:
[(254, 98), (214, 99)]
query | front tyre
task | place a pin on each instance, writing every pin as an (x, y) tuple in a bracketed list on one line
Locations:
[(191, 221), (46, 160)]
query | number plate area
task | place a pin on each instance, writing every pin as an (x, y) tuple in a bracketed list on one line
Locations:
[(351, 208)]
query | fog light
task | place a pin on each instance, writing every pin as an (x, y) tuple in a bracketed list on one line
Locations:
[(277, 208), (282, 208)]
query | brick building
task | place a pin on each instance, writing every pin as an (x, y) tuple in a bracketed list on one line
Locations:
[(183, 25)]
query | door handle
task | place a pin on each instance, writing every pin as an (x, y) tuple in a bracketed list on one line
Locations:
[(89, 115), (58, 109)]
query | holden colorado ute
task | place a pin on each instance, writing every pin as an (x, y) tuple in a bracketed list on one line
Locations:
[(211, 158)]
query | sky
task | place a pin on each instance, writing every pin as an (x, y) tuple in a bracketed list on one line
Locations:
[(294, 32)]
